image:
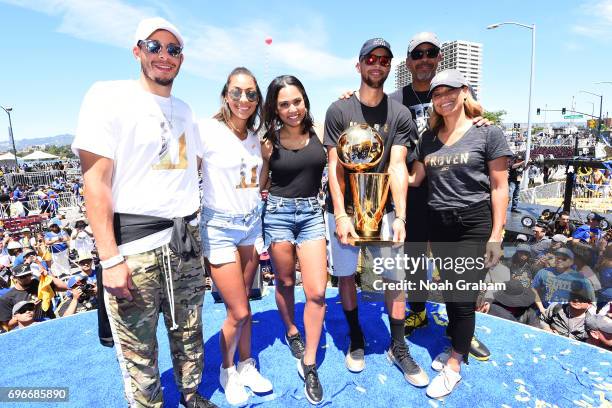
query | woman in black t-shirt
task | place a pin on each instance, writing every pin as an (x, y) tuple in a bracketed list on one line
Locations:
[(467, 174), (293, 218)]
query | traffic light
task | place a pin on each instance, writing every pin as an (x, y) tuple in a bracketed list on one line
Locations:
[(563, 111), (538, 111)]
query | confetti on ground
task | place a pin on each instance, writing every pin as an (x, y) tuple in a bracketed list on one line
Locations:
[(519, 381), (509, 356), (485, 329), (586, 397), (509, 363), (434, 404), (535, 360), (505, 406), (521, 398), (537, 349), (360, 389), (542, 356), (604, 363), (494, 363), (382, 378), (565, 352), (505, 385)]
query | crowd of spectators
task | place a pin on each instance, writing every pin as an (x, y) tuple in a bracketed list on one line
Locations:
[(48, 264), (559, 280)]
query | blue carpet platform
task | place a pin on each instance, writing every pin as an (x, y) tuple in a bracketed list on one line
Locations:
[(528, 367)]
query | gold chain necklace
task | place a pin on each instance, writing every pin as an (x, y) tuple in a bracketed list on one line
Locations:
[(237, 132)]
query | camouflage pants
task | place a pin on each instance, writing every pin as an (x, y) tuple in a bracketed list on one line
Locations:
[(134, 326)]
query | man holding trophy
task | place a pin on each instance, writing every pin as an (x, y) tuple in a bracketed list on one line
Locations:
[(384, 127)]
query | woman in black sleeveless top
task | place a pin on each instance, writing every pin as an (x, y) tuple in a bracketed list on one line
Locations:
[(293, 218)]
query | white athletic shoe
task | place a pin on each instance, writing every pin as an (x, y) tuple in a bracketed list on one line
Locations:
[(441, 360), (235, 393), (444, 383), (250, 377)]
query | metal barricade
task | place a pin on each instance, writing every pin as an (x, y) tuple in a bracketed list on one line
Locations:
[(544, 193), (33, 178)]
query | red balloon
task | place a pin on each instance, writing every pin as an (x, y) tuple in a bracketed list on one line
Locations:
[(268, 40)]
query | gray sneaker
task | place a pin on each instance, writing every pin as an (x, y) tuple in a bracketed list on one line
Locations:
[(355, 359), (399, 355)]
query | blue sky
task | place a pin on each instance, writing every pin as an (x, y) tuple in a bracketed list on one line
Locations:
[(54, 50)]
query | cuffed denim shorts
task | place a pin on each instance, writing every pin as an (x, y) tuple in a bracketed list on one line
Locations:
[(223, 233), (295, 220)]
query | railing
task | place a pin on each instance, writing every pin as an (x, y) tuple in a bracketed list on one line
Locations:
[(64, 200), (586, 196), (545, 191), (33, 178)]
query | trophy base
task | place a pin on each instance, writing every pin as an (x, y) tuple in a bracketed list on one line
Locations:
[(368, 241)]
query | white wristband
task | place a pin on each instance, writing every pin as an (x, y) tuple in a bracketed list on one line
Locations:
[(112, 261)]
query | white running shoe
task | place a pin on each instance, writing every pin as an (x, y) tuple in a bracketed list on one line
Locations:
[(444, 383), (441, 360), (250, 377), (235, 393)]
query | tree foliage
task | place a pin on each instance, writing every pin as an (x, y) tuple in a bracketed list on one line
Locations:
[(61, 151), (495, 116)]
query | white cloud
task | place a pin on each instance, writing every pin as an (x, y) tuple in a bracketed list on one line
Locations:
[(211, 51), (598, 23)]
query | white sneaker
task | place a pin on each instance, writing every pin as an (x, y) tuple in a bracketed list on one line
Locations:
[(444, 383), (250, 377), (441, 360), (235, 393)]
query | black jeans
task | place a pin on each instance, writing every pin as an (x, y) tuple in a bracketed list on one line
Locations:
[(457, 234)]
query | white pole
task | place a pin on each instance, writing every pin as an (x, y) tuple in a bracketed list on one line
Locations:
[(525, 178)]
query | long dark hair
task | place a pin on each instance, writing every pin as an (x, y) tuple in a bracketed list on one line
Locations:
[(271, 120), (254, 122)]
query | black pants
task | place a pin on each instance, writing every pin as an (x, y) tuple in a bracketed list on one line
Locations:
[(416, 244), (460, 234)]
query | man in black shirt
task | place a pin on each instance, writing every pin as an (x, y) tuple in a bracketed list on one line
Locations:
[(422, 61), (515, 164), (26, 288), (393, 122)]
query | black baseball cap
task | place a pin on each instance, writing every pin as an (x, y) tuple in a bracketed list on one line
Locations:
[(372, 44)]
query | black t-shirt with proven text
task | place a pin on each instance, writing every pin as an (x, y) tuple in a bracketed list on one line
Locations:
[(458, 175)]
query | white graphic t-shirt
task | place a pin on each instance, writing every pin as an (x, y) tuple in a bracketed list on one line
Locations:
[(230, 168), (153, 142)]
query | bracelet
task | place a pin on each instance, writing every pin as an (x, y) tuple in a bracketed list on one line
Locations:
[(337, 217), (112, 261), (402, 219)]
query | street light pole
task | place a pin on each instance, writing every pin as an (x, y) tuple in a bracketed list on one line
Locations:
[(8, 110), (532, 27), (600, 111)]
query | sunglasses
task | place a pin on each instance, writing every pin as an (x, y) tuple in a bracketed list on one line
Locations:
[(85, 262), (383, 60), (155, 47), (235, 95), (419, 54)]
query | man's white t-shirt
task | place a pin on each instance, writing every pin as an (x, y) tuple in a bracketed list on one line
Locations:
[(230, 168), (153, 143)]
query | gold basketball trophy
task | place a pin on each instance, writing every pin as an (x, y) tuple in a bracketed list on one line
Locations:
[(360, 148)]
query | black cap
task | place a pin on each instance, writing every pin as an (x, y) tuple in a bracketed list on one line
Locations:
[(372, 44), (594, 217), (21, 270)]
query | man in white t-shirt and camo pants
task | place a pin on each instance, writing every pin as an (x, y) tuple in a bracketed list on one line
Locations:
[(134, 140)]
